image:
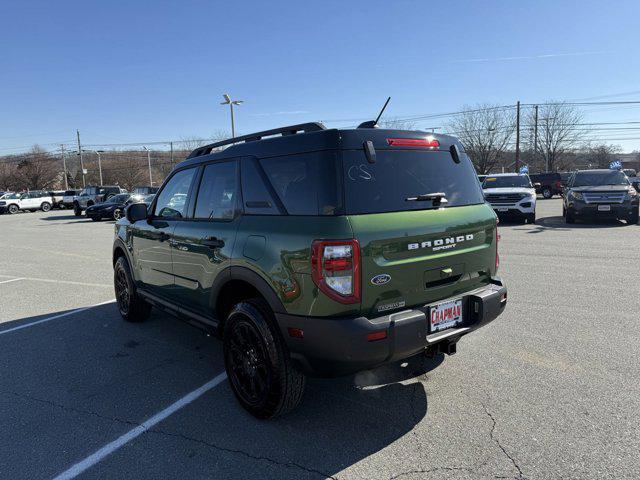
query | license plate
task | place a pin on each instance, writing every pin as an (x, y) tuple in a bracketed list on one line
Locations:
[(604, 208), (445, 315), (502, 209)]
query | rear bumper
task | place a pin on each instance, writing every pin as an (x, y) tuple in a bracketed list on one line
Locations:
[(339, 346)]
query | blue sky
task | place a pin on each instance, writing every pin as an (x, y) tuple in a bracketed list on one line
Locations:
[(141, 71)]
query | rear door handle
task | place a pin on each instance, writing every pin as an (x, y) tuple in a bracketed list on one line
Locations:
[(213, 242)]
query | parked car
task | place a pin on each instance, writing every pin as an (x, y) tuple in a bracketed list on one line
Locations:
[(92, 195), (600, 193), (547, 184), (511, 195), (119, 212), (68, 197), (630, 172), (145, 190), (31, 201), (348, 249), (113, 208), (57, 197)]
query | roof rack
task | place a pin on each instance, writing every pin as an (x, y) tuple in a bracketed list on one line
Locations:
[(252, 137)]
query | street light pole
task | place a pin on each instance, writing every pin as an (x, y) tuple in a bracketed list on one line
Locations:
[(231, 103), (149, 162), (97, 152), (64, 167)]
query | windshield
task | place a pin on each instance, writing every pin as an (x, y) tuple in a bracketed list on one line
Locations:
[(598, 179), (10, 196), (118, 198), (385, 185), (510, 181)]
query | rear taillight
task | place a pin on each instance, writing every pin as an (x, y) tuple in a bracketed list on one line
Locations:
[(428, 142), (336, 269), (559, 185)]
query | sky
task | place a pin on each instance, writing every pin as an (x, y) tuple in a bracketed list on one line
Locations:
[(151, 71)]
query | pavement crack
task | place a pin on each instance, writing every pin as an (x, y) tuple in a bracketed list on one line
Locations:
[(67, 408), (243, 453), (500, 446), (431, 470)]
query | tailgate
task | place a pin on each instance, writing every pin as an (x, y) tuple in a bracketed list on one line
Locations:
[(413, 258)]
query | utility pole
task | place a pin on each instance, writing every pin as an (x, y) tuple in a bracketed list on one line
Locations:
[(149, 162), (535, 134), (64, 167), (84, 184), (517, 163)]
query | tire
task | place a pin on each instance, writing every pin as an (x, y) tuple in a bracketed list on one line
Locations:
[(531, 218), (77, 211), (547, 193), (569, 217), (96, 219), (261, 374), (117, 214), (132, 308), (45, 207), (13, 209), (633, 218)]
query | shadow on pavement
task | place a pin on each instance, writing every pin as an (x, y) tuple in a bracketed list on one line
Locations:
[(83, 379)]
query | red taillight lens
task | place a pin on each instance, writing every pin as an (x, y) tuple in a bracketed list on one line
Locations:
[(336, 269), (413, 142), (559, 185)]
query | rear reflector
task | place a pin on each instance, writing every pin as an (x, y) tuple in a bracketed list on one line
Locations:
[(381, 335), (413, 142), (295, 332)]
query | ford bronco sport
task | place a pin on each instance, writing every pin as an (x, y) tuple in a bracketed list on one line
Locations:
[(315, 251)]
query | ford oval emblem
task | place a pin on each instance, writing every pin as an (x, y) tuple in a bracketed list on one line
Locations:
[(381, 279)]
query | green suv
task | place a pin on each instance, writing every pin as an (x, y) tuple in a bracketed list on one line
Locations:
[(315, 251)]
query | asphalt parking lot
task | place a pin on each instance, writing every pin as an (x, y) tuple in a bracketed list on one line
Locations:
[(551, 389)]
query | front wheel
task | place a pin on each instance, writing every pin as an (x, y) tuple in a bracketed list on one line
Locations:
[(131, 306), (117, 214), (13, 209), (568, 216), (531, 218), (96, 219), (45, 207), (77, 211), (633, 218), (260, 371)]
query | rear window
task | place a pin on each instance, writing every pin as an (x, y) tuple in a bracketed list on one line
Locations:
[(509, 181), (397, 175)]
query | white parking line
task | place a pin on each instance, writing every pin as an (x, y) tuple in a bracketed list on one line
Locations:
[(66, 282), (109, 448), (12, 280), (48, 319)]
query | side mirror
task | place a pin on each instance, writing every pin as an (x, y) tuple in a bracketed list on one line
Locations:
[(537, 185), (136, 212)]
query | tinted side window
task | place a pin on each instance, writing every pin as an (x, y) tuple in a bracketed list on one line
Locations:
[(172, 201), (255, 193), (217, 195), (307, 184)]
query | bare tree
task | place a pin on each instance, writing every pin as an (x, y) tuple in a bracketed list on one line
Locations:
[(558, 135), (485, 130), (398, 124), (601, 155), (37, 169)]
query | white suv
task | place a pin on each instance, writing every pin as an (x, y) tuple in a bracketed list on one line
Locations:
[(31, 201), (511, 194)]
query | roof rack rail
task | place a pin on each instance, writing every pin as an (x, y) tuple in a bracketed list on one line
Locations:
[(252, 137)]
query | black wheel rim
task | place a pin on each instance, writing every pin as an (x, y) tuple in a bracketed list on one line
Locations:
[(247, 361), (13, 209), (116, 214), (123, 296)]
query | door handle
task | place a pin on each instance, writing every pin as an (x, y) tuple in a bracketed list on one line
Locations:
[(212, 242)]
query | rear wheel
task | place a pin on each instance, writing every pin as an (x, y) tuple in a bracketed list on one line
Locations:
[(45, 207), (131, 306), (547, 193), (13, 209), (260, 371)]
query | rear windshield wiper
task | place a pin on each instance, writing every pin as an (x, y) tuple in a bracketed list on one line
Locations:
[(437, 198)]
